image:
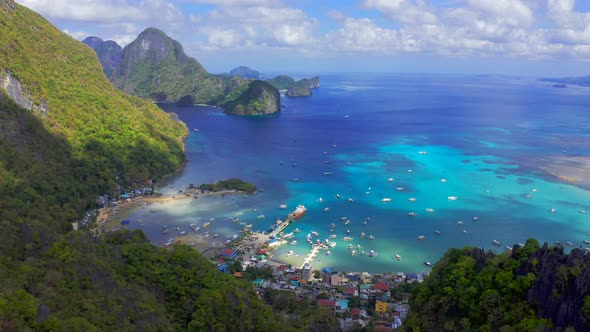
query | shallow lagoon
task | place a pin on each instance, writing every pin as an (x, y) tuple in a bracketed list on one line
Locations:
[(495, 140)]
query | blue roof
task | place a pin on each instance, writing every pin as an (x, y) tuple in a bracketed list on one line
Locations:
[(343, 304), (326, 270)]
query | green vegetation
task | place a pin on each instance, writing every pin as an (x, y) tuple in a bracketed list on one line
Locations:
[(163, 69), (259, 98), (294, 88), (304, 315), (91, 139), (229, 184), (472, 291), (281, 82)]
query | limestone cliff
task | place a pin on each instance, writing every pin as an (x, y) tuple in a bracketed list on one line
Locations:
[(259, 98), (109, 53)]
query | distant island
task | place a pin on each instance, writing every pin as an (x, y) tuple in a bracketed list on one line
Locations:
[(155, 67), (246, 72), (562, 81), (229, 184), (294, 88)]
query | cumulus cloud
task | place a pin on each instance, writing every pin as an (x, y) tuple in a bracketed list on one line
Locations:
[(256, 25), (533, 29), (119, 20)]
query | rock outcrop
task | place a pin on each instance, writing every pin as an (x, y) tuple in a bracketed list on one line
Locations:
[(294, 88), (259, 98), (109, 53), (246, 72)]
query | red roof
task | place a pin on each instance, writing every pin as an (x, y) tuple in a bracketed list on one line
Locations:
[(355, 311), (282, 267), (228, 252), (350, 291), (380, 286), (326, 303), (238, 274)]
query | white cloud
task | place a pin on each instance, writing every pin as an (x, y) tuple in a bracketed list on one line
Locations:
[(405, 11), (237, 27), (531, 29)]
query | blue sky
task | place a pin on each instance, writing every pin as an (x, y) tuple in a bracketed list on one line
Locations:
[(521, 37)]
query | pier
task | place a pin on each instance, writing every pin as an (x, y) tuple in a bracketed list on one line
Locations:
[(312, 253)]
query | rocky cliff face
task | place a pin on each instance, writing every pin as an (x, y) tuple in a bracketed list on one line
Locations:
[(294, 88), (109, 53), (20, 96), (561, 287), (154, 66), (260, 98)]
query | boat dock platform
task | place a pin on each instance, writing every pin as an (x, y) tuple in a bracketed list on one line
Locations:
[(312, 253)]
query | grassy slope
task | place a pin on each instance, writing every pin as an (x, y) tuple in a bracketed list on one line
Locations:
[(83, 106)]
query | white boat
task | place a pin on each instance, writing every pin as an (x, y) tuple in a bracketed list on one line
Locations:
[(443, 180), (411, 199), (390, 180), (421, 237), (296, 230), (363, 235), (412, 214), (332, 244), (582, 211), (386, 199), (496, 243), (215, 235), (429, 210), (509, 248), (320, 200), (288, 235), (348, 231), (437, 232), (349, 200), (295, 180), (552, 210), (296, 254), (289, 253), (353, 252), (328, 173), (460, 222), (422, 152), (314, 233), (347, 238), (428, 264), (409, 171), (328, 253), (569, 243), (371, 253), (371, 237), (332, 225), (197, 229), (347, 222), (326, 209), (294, 242), (475, 218), (283, 206), (260, 216), (235, 236), (586, 241), (398, 257), (207, 224), (183, 233), (338, 196), (400, 189), (452, 198)]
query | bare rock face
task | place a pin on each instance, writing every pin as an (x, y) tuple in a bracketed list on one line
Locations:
[(14, 90), (109, 53)]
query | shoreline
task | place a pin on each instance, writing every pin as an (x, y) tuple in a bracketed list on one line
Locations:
[(109, 215)]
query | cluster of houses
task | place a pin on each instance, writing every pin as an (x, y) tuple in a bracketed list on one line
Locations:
[(356, 298)]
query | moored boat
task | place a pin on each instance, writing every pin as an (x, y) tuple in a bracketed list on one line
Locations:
[(496, 243)]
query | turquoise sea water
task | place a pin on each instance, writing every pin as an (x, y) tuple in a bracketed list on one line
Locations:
[(497, 141)]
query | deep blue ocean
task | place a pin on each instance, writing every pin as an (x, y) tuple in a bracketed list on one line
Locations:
[(514, 152)]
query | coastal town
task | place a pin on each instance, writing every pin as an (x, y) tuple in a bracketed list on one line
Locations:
[(356, 299)]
